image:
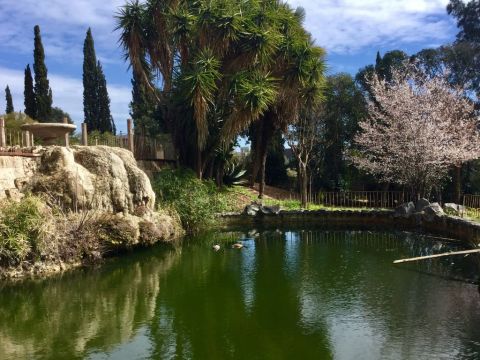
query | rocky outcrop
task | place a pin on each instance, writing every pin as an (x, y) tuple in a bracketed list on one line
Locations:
[(80, 177)]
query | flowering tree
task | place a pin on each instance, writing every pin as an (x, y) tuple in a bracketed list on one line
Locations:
[(417, 129)]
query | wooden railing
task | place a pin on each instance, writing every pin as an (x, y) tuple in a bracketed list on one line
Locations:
[(361, 199)]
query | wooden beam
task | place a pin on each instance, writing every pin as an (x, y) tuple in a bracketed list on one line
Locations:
[(437, 255)]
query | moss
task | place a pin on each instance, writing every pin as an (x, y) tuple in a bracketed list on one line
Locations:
[(115, 232)]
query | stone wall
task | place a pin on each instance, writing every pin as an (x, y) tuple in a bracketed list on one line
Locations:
[(446, 226)]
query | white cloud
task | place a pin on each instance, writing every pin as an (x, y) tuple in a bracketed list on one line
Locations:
[(348, 26), (68, 95)]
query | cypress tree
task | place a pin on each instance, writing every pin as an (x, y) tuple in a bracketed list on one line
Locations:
[(143, 106), (90, 107), (96, 102), (43, 93), (8, 97), (105, 120), (29, 94)]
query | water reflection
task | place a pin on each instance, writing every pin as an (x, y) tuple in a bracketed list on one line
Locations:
[(295, 294)]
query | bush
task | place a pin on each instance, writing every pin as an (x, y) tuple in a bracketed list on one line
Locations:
[(21, 229), (195, 201)]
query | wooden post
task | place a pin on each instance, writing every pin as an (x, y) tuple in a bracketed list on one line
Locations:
[(3, 140), (84, 134), (130, 134), (67, 135)]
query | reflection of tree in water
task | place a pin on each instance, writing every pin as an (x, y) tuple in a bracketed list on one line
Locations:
[(205, 314), (298, 294), (349, 280), (93, 310)]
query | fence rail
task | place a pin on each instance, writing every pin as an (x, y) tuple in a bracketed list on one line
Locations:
[(357, 199)]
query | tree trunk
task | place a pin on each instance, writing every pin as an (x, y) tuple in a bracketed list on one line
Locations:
[(256, 151), (266, 133), (199, 164), (303, 182), (457, 191)]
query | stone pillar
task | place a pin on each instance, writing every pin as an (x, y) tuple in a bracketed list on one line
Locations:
[(67, 135), (130, 134), (84, 134), (32, 142), (3, 139), (25, 138)]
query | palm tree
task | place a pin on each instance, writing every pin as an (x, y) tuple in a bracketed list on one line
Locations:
[(223, 65)]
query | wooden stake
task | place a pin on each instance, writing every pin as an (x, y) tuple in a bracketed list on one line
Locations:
[(437, 255)]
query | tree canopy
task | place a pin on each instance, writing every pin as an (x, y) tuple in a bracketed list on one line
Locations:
[(223, 65)]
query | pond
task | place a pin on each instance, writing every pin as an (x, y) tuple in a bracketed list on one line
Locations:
[(304, 294)]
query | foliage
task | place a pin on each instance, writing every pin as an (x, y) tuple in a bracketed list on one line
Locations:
[(343, 109), (43, 92), (276, 167), (195, 201), (58, 115), (234, 175), (8, 97), (96, 102), (14, 120), (222, 65), (418, 128), (21, 228), (143, 108), (29, 94)]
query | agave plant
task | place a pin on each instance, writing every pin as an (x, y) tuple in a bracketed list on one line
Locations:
[(234, 175)]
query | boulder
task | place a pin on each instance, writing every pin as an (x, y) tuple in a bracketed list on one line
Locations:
[(421, 205), (404, 210), (454, 209), (252, 209), (275, 209), (433, 210)]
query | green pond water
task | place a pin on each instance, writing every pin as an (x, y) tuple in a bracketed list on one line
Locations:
[(311, 294)]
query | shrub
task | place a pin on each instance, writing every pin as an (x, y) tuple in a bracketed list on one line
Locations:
[(195, 201), (22, 227)]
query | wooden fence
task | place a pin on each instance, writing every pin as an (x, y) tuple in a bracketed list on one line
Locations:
[(472, 205), (360, 199)]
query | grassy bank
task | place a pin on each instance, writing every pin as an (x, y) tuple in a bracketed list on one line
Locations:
[(36, 236)]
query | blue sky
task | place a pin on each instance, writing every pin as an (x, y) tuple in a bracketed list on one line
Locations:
[(352, 31)]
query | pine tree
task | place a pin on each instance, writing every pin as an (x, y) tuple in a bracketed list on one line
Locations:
[(8, 97), (105, 120), (29, 95), (90, 107), (143, 106), (43, 93)]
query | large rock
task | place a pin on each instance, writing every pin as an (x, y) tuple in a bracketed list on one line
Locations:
[(421, 204), (454, 209), (86, 177), (432, 211), (404, 210), (255, 209)]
